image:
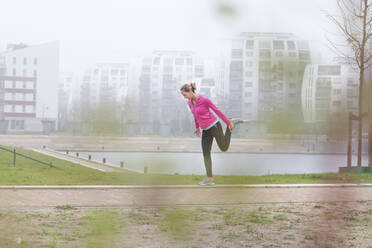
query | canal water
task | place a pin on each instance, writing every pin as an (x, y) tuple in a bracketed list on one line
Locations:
[(225, 163)]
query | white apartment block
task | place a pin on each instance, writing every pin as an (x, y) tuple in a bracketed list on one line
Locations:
[(162, 108), (105, 82), (328, 90), (264, 74)]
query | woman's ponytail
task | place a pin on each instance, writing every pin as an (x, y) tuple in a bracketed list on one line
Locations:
[(188, 87)]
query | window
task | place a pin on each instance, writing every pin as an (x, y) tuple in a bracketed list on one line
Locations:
[(351, 93), (265, 54), (249, 54), (156, 61), (350, 81), (292, 54), (24, 73), (8, 96), (304, 55), (336, 80), (189, 61), (237, 53), (8, 108), (29, 108), (264, 44), (248, 74), (292, 85), (336, 103), (249, 64), (278, 54), (248, 94), (249, 44), (168, 69), (278, 45), (29, 97), (19, 96), (14, 72), (30, 85), (17, 124), (114, 72), (19, 84), (237, 44), (14, 60), (248, 104), (18, 108), (8, 84), (199, 70), (35, 61), (336, 91), (24, 61), (179, 61), (291, 45), (329, 70), (168, 61)]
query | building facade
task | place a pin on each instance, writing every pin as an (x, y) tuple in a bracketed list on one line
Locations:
[(329, 90), (265, 75), (163, 110), (30, 86)]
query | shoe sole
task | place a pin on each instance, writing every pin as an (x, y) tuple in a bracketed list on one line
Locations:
[(207, 184)]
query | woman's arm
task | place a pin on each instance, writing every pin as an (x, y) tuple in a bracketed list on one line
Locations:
[(218, 111), (196, 123)]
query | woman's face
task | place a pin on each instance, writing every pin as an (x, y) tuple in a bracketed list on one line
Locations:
[(187, 95)]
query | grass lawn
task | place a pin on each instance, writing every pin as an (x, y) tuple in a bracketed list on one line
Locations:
[(28, 172)]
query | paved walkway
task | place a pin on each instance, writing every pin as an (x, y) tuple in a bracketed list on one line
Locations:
[(133, 196), (81, 161)]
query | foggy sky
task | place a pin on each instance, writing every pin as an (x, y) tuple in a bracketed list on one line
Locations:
[(109, 30)]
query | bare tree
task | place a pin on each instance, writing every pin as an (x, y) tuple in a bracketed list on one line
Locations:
[(355, 24)]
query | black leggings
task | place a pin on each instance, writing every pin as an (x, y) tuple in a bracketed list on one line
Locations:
[(223, 142)]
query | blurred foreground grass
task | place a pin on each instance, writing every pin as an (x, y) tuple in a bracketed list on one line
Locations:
[(27, 172)]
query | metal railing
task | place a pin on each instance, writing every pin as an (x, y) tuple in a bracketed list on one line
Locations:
[(15, 154)]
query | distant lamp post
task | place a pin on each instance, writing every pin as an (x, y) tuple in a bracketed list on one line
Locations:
[(48, 125)]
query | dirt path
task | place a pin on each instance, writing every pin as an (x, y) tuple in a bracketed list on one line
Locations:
[(290, 225), (35, 196)]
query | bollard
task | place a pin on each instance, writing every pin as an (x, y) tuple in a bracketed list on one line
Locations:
[(104, 160), (121, 164), (44, 147), (67, 152), (89, 157), (14, 157), (50, 165), (77, 154), (145, 169)]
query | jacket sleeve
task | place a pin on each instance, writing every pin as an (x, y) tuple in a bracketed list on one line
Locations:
[(218, 111), (196, 121)]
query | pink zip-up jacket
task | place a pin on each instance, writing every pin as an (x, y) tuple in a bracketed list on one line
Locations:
[(202, 115)]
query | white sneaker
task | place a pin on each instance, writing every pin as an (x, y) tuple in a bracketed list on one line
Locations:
[(237, 121), (206, 182)]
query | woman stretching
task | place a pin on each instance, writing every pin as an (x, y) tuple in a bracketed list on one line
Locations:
[(200, 106)]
